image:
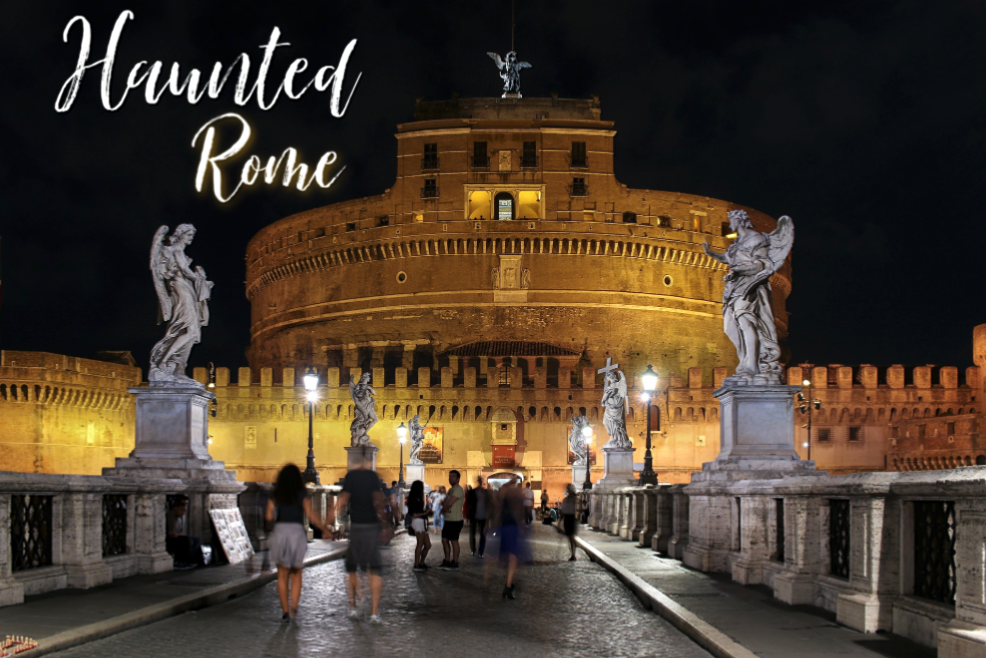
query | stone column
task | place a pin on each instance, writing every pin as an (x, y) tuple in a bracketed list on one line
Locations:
[(795, 585), (966, 634), (663, 503), (874, 565), (747, 566), (82, 540), (648, 515), (680, 523), (709, 532), (11, 591)]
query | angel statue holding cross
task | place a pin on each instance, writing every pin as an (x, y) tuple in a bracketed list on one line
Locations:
[(747, 311), (616, 403)]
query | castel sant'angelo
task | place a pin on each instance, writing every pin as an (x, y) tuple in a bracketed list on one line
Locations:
[(483, 292)]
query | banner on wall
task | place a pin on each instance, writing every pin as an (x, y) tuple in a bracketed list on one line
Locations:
[(504, 456), (431, 449), (592, 457)]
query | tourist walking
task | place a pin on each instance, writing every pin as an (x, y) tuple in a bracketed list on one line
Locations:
[(511, 534), (479, 504), (369, 526), (528, 494), (569, 507), (287, 509), (419, 511), (452, 510), (544, 501), (437, 500)]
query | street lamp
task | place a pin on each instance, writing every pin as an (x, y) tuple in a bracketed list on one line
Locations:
[(649, 378), (401, 437), (587, 438), (806, 406), (311, 384)]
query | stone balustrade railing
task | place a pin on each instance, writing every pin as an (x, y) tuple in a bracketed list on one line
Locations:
[(899, 552), (59, 531)]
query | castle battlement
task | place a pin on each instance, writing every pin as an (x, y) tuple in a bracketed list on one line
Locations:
[(56, 379)]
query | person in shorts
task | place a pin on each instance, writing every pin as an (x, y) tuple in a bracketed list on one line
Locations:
[(452, 511), (362, 495)]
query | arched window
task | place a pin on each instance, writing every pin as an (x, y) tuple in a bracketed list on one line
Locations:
[(503, 204)]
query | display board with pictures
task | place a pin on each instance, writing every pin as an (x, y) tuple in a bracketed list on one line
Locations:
[(232, 534)]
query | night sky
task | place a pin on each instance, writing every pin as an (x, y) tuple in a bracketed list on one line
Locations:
[(864, 121)]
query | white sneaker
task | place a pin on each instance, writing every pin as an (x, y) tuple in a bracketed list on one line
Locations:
[(353, 613), (375, 619)]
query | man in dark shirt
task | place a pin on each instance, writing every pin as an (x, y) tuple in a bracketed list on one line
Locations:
[(362, 493)]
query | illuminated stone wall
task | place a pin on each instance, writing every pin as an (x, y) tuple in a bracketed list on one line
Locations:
[(63, 414), (400, 278)]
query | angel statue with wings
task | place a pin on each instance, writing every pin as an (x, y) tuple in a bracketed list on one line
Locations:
[(576, 441), (748, 314), (510, 72), (365, 413), (183, 298), (616, 404), (417, 433)]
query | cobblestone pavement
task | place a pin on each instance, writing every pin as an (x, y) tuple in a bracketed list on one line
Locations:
[(562, 609)]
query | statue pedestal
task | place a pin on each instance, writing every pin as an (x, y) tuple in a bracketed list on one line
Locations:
[(414, 472), (757, 435), (356, 455), (578, 475), (618, 470), (172, 436)]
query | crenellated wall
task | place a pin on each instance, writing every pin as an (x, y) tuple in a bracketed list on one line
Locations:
[(63, 414)]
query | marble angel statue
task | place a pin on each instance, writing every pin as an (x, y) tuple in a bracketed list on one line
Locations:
[(417, 433), (183, 302), (510, 72), (616, 404), (747, 310), (576, 441), (365, 413)]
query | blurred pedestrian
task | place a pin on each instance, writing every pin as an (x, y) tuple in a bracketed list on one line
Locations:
[(369, 526), (465, 505), (512, 547), (479, 504), (452, 510), (544, 501), (287, 509), (528, 494), (419, 511), (437, 500), (569, 508)]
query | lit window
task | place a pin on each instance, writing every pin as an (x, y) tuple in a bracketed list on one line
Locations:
[(504, 202)]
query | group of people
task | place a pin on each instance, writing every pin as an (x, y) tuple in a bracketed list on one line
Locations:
[(504, 514)]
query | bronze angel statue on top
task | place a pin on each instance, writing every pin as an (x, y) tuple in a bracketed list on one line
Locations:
[(183, 298), (747, 310), (510, 72)]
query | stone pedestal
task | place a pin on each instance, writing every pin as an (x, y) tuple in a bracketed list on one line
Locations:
[(356, 455), (578, 475), (414, 472), (618, 468), (757, 435)]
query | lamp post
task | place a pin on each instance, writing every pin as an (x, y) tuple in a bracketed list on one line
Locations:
[(587, 438), (311, 384), (806, 406), (401, 438), (649, 378)]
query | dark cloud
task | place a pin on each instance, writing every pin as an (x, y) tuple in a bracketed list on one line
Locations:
[(866, 122)]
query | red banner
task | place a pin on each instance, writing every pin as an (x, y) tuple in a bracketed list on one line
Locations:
[(503, 456)]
